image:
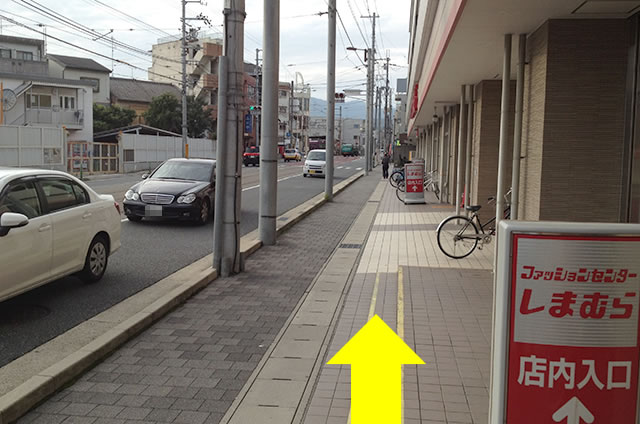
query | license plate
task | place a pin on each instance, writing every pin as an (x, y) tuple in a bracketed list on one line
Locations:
[(312, 172), (153, 210)]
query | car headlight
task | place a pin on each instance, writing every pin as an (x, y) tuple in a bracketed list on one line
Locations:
[(188, 198), (131, 195)]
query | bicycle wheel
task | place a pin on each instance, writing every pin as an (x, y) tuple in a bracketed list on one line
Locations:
[(400, 194), (395, 178), (400, 186), (457, 237)]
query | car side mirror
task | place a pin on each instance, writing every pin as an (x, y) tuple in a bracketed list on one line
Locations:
[(145, 176), (9, 220)]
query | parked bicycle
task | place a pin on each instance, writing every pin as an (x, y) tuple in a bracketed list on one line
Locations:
[(458, 235), (430, 183), (396, 177)]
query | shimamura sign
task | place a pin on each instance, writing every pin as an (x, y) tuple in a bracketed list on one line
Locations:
[(566, 344)]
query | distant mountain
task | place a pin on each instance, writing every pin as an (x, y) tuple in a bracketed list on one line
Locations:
[(354, 109)]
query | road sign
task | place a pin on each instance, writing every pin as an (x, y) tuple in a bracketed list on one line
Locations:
[(248, 123), (566, 342), (414, 181)]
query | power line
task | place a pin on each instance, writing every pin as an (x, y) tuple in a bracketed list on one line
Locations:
[(132, 18), (83, 48), (366, 43), (51, 14)]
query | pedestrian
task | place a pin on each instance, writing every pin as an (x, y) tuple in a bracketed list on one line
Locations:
[(385, 166)]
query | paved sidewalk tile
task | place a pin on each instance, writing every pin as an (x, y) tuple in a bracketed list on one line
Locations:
[(189, 366), (444, 314)]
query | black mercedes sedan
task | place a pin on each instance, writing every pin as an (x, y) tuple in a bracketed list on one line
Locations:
[(177, 189)]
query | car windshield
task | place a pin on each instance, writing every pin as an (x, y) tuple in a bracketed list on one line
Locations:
[(289, 151), (316, 156), (177, 170), (252, 150)]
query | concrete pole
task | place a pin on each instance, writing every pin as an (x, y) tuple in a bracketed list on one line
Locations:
[(441, 158), (331, 100), (517, 134), (467, 174), (185, 148), (369, 133), (461, 146), (504, 128), (387, 109), (291, 144), (258, 114), (269, 140), (221, 159), (234, 15), (379, 119)]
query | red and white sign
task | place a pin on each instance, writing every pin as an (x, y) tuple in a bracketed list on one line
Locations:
[(573, 342), (414, 183)]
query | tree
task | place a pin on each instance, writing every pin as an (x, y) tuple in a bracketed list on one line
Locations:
[(165, 112), (199, 119), (110, 117)]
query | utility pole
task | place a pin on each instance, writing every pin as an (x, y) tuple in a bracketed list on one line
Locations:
[(331, 100), (226, 254), (291, 116), (185, 145), (257, 98), (269, 140), (340, 128), (370, 88), (387, 110), (379, 118)]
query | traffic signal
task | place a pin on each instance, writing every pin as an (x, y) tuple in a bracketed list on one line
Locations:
[(339, 97)]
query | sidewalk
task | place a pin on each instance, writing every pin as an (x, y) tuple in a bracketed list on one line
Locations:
[(191, 365), (439, 306), (252, 348)]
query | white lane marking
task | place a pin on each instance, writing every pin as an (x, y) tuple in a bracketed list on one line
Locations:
[(123, 220), (348, 167), (358, 169), (281, 179), (340, 167)]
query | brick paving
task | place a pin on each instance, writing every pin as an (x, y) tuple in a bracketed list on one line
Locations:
[(189, 366), (446, 308)]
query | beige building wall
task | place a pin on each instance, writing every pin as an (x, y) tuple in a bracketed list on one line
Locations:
[(574, 121), (486, 144)]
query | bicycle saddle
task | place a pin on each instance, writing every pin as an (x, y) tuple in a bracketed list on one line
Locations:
[(474, 208)]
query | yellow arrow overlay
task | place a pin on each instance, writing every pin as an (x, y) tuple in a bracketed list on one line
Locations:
[(376, 355)]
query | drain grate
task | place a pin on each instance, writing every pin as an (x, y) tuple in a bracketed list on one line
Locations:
[(350, 246)]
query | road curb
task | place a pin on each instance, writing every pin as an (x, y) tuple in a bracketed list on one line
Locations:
[(183, 284)]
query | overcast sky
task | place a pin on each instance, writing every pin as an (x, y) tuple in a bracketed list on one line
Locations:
[(303, 37)]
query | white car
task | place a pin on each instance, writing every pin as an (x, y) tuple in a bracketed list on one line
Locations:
[(316, 163), (52, 225)]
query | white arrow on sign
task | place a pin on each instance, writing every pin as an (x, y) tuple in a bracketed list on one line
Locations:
[(573, 411), (415, 188)]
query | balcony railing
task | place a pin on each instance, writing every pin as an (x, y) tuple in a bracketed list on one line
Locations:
[(51, 117)]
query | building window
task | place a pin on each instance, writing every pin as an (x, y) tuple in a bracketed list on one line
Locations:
[(96, 88), (67, 102), (5, 53), (38, 101), (283, 93), (22, 55), (282, 110), (129, 155), (356, 126)]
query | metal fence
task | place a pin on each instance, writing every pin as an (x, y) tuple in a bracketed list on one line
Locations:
[(32, 147), (145, 152)]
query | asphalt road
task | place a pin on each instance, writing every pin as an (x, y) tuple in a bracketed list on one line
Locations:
[(150, 251)]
